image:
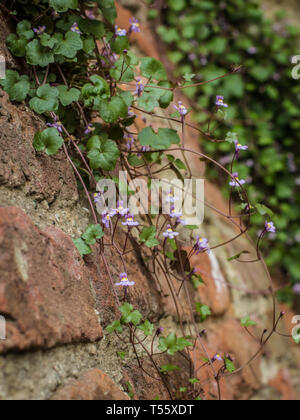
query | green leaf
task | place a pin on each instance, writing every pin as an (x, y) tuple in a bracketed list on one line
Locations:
[(68, 96), (16, 86), (236, 257), (92, 27), (92, 233), (148, 236), (172, 344), (82, 247), (120, 44), (162, 140), (152, 68), (121, 69), (168, 368), (130, 316), (47, 41), (246, 322), (69, 46), (16, 45), (147, 328), (98, 88), (229, 365), (103, 153), (197, 281), (46, 100), (63, 5), (24, 30), (115, 326), (203, 310), (48, 140), (37, 55), (111, 110), (264, 210)]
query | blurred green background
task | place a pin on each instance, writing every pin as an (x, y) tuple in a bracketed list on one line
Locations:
[(206, 38)]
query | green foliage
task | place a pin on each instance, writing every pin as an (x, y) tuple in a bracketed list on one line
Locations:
[(88, 238), (172, 344), (264, 94), (203, 310), (247, 322), (68, 96), (168, 368), (161, 140), (103, 153), (48, 141), (63, 5), (148, 237), (229, 365), (16, 86), (46, 100)]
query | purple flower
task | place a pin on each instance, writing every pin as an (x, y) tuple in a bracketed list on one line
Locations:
[(220, 101), (236, 182), (296, 289), (119, 31), (181, 109), (75, 28), (252, 50), (135, 25), (120, 210), (131, 113), (90, 14), (39, 30), (139, 87), (239, 147), (106, 219), (173, 213), (171, 198), (129, 221), (97, 197), (130, 141), (170, 233), (58, 125), (270, 227), (181, 221), (89, 129), (217, 357), (143, 150), (159, 331), (201, 245), (124, 281)]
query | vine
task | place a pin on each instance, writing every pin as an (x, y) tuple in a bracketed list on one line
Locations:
[(81, 76)]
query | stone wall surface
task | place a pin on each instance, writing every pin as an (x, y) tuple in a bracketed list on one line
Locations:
[(57, 305)]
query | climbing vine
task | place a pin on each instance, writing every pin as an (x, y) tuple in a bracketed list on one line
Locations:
[(80, 75)]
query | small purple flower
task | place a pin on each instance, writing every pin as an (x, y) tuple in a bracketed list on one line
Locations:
[(89, 129), (270, 227), (220, 101), (217, 357), (159, 331), (75, 28), (239, 147), (171, 198), (296, 289), (39, 30), (236, 182), (130, 221), (252, 50), (135, 25), (106, 219), (58, 125), (144, 149), (170, 233), (55, 15), (131, 113), (201, 245), (90, 15), (120, 210), (124, 281), (180, 220), (130, 141), (97, 197), (181, 109), (119, 31), (174, 213), (139, 87)]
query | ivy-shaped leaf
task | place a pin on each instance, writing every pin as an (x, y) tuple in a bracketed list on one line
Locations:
[(151, 68), (122, 69), (17, 43), (92, 234), (247, 322), (147, 328), (229, 365), (162, 140), (92, 27), (68, 46), (115, 326), (203, 310), (98, 88), (48, 140), (63, 5), (46, 100), (148, 236), (37, 55), (82, 247), (68, 96), (111, 110), (16, 86), (103, 153)]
